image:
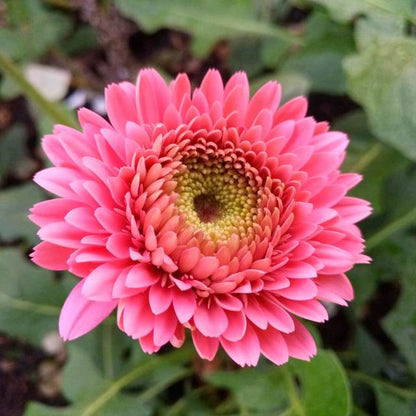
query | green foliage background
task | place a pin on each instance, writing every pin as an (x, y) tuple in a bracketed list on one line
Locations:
[(364, 50)]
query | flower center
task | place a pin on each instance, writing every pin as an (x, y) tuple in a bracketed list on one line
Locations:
[(216, 198), (207, 207)]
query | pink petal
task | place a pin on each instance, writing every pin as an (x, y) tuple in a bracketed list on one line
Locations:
[(276, 316), (120, 103), (273, 346), (300, 289), (308, 309), (52, 210), (335, 259), (83, 219), (164, 327), (56, 180), (181, 88), (152, 97), (188, 259), (212, 87), (111, 221), (205, 346), (99, 283), (119, 244), (268, 96), (255, 312), (294, 109), (334, 288), (136, 319), (80, 315), (246, 351), (205, 267), (210, 321), (300, 343), (184, 303), (62, 234), (229, 302), (160, 298), (142, 275), (148, 345), (237, 325), (298, 270), (50, 256)]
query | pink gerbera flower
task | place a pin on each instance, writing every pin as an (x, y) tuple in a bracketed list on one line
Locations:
[(204, 211)]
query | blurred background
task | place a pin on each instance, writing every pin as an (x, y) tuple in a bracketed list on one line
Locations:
[(355, 60)]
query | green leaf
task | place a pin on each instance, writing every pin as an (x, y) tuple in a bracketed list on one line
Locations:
[(371, 357), (368, 156), (92, 394), (399, 8), (272, 51), (33, 29), (245, 54), (375, 24), (14, 209), (254, 389), (381, 78), (389, 404), (400, 324), (12, 149), (30, 297), (82, 40), (344, 11), (320, 58), (324, 388), (207, 20)]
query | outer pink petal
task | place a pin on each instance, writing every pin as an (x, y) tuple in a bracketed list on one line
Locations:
[(152, 97), (51, 210), (80, 315), (62, 234), (273, 346), (99, 284), (135, 317), (294, 109), (268, 96), (205, 346), (184, 303), (121, 105), (212, 87), (246, 351), (300, 343), (212, 321), (334, 288), (308, 309), (164, 328), (160, 298), (50, 256)]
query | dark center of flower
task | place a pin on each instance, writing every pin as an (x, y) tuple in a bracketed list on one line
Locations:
[(216, 198), (207, 207)]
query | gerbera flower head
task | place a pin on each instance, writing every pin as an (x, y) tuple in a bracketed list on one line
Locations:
[(202, 212)]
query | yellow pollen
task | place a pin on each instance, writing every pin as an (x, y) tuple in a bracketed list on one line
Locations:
[(216, 198)]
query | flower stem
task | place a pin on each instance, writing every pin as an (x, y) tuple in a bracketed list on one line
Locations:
[(53, 110), (390, 228), (406, 394), (367, 157), (143, 368)]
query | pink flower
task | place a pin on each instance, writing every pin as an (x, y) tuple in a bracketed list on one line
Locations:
[(204, 211)]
